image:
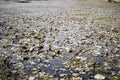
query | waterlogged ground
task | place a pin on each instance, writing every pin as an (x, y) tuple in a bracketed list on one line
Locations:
[(60, 40)]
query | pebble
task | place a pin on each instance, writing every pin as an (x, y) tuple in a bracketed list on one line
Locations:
[(118, 72), (62, 75), (99, 77), (75, 74), (78, 57), (96, 53), (106, 64), (65, 37), (31, 49), (32, 62), (83, 59), (68, 49), (31, 78), (78, 78)]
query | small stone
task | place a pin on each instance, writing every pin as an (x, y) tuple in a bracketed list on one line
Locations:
[(114, 30), (77, 69), (75, 74), (106, 64), (113, 73), (98, 47), (31, 49), (78, 57), (83, 59), (68, 50), (51, 76), (32, 62), (14, 71), (31, 78), (99, 77), (97, 53), (62, 75), (20, 58), (77, 78), (118, 72)]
